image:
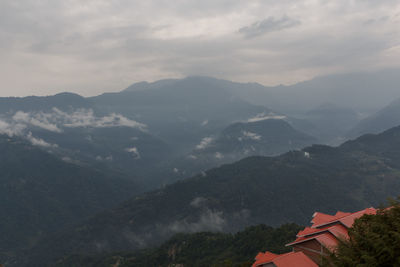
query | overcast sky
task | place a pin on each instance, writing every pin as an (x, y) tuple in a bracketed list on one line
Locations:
[(93, 46)]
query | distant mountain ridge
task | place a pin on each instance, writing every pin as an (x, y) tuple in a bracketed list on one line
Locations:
[(362, 91), (63, 101), (260, 136), (380, 121)]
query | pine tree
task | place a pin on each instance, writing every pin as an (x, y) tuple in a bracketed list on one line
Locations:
[(374, 240)]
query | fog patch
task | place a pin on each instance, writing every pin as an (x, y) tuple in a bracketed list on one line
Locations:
[(107, 158), (11, 129), (192, 157), (40, 120), (134, 151), (19, 123), (205, 142), (86, 118), (135, 239), (209, 221), (252, 136), (198, 202), (266, 116), (218, 155), (101, 246), (39, 142)]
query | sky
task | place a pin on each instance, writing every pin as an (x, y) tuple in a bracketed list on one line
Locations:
[(94, 46)]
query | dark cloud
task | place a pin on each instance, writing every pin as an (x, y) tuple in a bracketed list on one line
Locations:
[(270, 24)]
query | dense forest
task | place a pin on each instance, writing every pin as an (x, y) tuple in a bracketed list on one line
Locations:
[(198, 249)]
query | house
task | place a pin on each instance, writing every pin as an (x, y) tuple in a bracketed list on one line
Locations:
[(314, 242), (298, 259)]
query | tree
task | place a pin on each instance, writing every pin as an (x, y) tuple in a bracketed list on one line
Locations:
[(374, 240)]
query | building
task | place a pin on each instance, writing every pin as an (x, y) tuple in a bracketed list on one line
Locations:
[(298, 259), (313, 242)]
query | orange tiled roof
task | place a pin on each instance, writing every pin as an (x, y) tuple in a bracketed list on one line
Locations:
[(298, 259), (334, 231), (325, 228), (336, 225), (319, 217), (347, 219), (265, 257)]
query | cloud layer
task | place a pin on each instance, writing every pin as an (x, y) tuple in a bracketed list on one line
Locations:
[(95, 46), (21, 122)]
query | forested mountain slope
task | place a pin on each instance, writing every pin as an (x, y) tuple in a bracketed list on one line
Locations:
[(40, 194), (270, 190)]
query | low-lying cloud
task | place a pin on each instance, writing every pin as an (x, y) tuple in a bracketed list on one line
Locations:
[(86, 118), (39, 119), (21, 123), (250, 135), (209, 220), (134, 151), (39, 142), (11, 129), (205, 142), (266, 116), (57, 120)]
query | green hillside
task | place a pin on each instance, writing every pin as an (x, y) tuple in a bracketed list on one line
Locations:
[(40, 194), (199, 249), (270, 190)]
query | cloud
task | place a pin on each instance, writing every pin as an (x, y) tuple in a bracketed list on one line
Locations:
[(209, 221), (193, 157), (134, 151), (266, 116), (252, 136), (17, 129), (51, 44), (20, 123), (267, 25), (39, 142), (56, 120), (86, 118), (219, 155), (205, 142), (40, 120), (198, 202), (107, 158), (11, 129)]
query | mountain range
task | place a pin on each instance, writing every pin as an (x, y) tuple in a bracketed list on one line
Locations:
[(365, 92), (127, 170), (270, 190), (263, 135), (385, 118)]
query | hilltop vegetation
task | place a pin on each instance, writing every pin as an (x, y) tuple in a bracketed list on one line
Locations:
[(198, 249), (374, 240)]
